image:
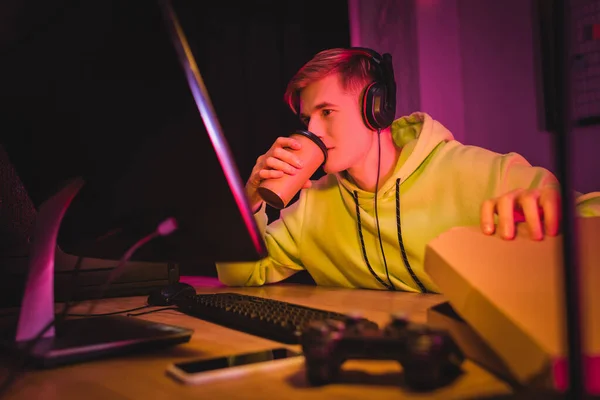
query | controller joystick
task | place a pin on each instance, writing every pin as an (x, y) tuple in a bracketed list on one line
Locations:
[(429, 357)]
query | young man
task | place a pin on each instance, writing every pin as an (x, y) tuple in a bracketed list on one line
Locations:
[(426, 183)]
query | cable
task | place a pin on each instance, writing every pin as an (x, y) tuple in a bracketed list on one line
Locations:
[(153, 311), (108, 313), (387, 273), (165, 228)]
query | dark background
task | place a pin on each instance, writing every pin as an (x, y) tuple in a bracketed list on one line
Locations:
[(68, 108)]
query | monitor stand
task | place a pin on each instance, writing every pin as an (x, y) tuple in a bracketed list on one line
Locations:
[(72, 340)]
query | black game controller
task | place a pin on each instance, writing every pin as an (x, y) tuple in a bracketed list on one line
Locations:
[(429, 357)]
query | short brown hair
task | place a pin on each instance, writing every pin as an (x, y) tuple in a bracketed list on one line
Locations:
[(353, 66)]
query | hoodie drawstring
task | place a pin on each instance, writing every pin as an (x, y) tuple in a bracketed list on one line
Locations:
[(362, 244), (401, 242), (388, 286)]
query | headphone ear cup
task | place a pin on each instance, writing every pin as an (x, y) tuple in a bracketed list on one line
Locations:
[(375, 107)]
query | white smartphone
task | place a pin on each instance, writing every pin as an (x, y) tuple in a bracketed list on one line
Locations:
[(199, 371)]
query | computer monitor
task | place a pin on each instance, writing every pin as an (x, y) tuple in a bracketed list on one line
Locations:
[(129, 138), (107, 99)]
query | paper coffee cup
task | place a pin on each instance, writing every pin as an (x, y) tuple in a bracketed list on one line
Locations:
[(278, 192)]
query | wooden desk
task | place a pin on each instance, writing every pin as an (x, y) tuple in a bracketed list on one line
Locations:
[(143, 376)]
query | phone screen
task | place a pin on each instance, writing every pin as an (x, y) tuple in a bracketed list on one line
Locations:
[(193, 367)]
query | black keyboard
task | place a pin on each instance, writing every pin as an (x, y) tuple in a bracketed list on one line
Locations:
[(270, 319)]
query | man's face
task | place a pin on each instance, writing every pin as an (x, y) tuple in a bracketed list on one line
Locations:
[(335, 116)]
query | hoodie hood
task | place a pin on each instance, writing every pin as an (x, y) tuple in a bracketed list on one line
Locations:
[(418, 134)]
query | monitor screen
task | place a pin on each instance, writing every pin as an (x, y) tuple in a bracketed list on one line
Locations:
[(103, 94)]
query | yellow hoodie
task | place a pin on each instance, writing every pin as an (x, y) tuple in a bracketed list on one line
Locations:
[(331, 231)]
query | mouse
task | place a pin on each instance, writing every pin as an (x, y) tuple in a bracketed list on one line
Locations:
[(166, 295)]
